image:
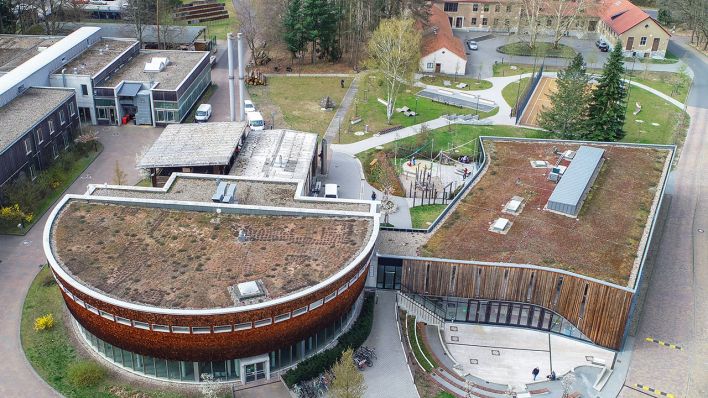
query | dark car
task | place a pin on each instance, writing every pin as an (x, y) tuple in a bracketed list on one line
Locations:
[(602, 45)]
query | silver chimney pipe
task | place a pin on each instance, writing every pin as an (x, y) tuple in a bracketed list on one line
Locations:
[(241, 87), (232, 89)]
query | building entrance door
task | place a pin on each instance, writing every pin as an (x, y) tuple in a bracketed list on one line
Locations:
[(112, 115), (437, 68), (630, 43), (655, 44), (255, 371)]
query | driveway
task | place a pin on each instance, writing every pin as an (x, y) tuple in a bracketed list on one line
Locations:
[(676, 306), (480, 62), (220, 77), (20, 257)]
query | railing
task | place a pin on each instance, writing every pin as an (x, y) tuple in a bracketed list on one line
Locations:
[(410, 305)]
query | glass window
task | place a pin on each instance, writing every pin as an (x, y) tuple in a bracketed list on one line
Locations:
[(38, 135), (128, 359), (222, 329), (180, 329), (187, 369), (84, 89), (173, 371), (330, 297), (66, 140), (475, 7), (243, 326), (285, 358), (28, 145), (233, 369), (484, 21), (161, 328), (219, 369), (141, 325), (299, 311), (139, 362), (201, 330), (309, 345), (123, 321), (263, 322), (55, 150), (642, 41), (62, 117), (149, 366), (72, 111), (497, 8), (473, 21), (486, 7), (282, 317), (161, 368), (316, 304), (508, 8), (204, 367), (450, 7)]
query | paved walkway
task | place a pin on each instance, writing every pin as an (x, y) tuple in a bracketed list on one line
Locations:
[(390, 377), (361, 146), (20, 257), (336, 123)]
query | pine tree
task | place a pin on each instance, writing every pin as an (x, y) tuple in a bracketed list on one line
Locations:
[(348, 381), (565, 118), (294, 32), (320, 19), (607, 108)]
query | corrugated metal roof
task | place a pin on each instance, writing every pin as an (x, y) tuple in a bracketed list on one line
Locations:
[(129, 89), (576, 178), (22, 72), (194, 144)]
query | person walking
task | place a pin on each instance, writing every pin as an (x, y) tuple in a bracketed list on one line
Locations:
[(341, 83), (373, 195), (535, 372)]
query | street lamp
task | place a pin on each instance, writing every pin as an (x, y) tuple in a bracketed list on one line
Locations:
[(415, 114), (272, 118)]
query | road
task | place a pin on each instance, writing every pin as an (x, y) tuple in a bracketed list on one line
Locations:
[(676, 307), (20, 257)]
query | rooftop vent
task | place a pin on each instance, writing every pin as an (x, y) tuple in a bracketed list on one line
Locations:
[(500, 226), (539, 164), (156, 64), (246, 292), (514, 206)]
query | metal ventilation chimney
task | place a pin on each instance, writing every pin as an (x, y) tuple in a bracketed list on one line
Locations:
[(232, 89), (241, 87)]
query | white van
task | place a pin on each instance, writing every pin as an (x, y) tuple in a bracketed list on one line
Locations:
[(248, 106), (331, 191), (203, 113), (255, 120)]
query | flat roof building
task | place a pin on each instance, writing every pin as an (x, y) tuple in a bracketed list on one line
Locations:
[(547, 269), (195, 147), (16, 49), (181, 286), (37, 126)]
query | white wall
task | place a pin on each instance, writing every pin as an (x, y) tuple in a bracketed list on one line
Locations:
[(69, 80), (450, 63)]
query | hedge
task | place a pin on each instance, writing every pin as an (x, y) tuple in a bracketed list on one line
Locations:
[(353, 338)]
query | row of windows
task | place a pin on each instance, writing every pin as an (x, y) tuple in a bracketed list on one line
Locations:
[(230, 369), (39, 132), (453, 7), (218, 328)]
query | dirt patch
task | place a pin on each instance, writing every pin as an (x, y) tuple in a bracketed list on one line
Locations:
[(381, 172)]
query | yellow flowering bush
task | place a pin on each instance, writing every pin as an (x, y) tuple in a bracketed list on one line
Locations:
[(44, 322)]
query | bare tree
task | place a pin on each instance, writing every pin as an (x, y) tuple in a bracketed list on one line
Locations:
[(139, 13), (394, 50), (563, 15), (50, 12), (530, 19), (253, 17)]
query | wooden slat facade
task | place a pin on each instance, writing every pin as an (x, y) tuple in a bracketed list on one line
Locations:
[(606, 308)]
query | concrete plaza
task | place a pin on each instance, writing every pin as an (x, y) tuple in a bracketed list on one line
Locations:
[(508, 355)]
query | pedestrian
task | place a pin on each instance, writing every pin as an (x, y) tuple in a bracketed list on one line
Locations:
[(552, 376), (373, 195), (535, 372), (465, 174), (341, 83)]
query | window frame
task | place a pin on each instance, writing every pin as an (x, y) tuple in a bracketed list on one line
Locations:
[(84, 89), (643, 41), (72, 109), (475, 7), (62, 117), (38, 135), (50, 124), (28, 145), (450, 6)]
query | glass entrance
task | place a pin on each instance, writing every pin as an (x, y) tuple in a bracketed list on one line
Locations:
[(255, 371), (388, 273)]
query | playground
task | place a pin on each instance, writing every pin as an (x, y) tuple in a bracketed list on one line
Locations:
[(539, 100)]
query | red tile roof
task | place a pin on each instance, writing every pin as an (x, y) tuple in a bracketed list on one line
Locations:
[(437, 34), (622, 15)]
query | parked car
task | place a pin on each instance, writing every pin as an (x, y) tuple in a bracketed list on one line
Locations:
[(203, 113), (602, 45), (255, 121), (248, 106), (472, 45), (331, 191)]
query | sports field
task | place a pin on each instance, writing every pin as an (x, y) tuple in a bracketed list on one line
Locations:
[(539, 99)]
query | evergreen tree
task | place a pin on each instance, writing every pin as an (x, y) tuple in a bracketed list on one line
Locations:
[(607, 108), (565, 118), (8, 20), (294, 33), (320, 19)]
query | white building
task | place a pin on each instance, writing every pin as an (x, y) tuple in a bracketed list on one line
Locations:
[(441, 51)]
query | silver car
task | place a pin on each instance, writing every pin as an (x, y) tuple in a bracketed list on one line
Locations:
[(472, 45)]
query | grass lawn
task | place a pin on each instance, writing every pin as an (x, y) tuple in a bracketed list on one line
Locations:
[(68, 178), (670, 58), (221, 27), (373, 113), (672, 84), (541, 49), (51, 352), (424, 358), (461, 137), (472, 83), (296, 101), (512, 91), (423, 216), (654, 110)]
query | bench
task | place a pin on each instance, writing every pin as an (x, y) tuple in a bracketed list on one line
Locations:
[(403, 109), (462, 85), (390, 129), (230, 192), (355, 121), (575, 395), (220, 190), (410, 113), (540, 391)]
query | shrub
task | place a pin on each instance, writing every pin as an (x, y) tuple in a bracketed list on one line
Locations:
[(355, 337), (85, 374), (13, 215), (44, 322), (47, 279)]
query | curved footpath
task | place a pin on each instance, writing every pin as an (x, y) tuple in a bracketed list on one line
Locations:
[(20, 257)]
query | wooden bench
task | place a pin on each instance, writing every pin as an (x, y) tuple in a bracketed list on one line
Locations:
[(390, 129), (540, 391)]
